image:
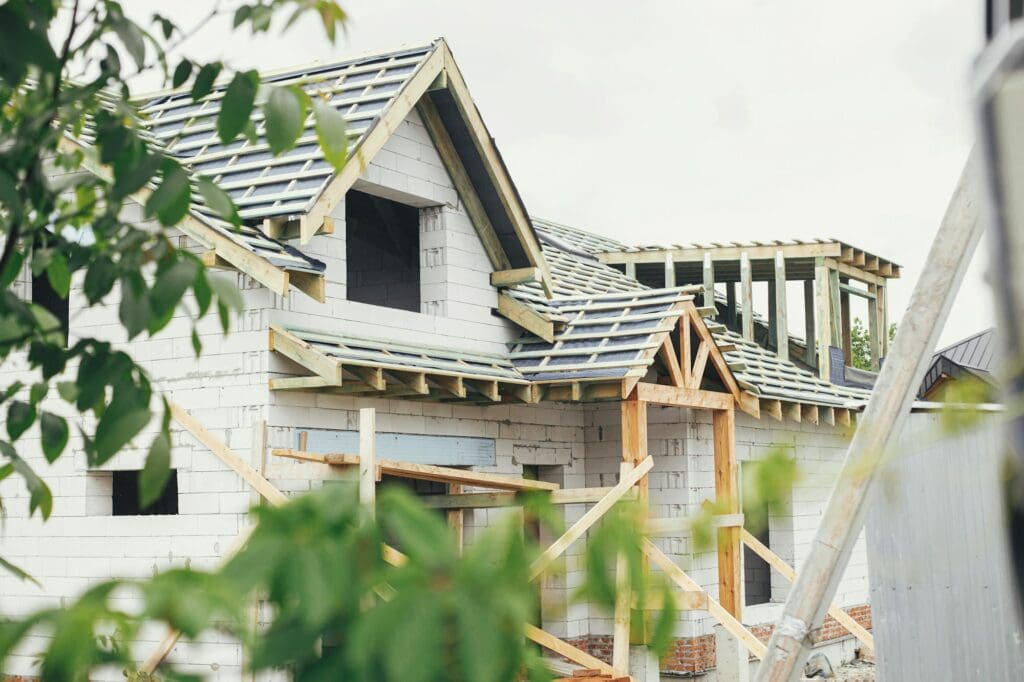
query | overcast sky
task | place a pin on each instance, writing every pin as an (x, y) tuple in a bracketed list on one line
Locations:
[(675, 122)]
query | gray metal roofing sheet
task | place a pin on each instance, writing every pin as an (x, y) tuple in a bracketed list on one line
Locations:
[(977, 351)]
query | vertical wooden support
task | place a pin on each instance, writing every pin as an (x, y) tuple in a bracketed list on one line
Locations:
[(809, 336), (685, 356), (781, 316), (773, 337), (727, 490), (623, 603), (874, 331), (634, 451), (823, 300), (747, 285), (368, 457), (844, 319), (709, 281), (670, 271), (883, 317), (730, 305), (834, 307), (456, 518), (631, 270)]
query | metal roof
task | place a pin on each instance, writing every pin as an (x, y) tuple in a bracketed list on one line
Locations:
[(261, 184), (977, 351)]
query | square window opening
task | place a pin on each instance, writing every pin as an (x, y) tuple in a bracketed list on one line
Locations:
[(382, 248), (125, 496)]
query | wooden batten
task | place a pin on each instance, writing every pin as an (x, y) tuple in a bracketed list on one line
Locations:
[(842, 417), (414, 381), (371, 376), (809, 413), (298, 383), (312, 284), (301, 352), (772, 408), (526, 317), (453, 385), (524, 393), (489, 389), (678, 396), (667, 354), (508, 278)]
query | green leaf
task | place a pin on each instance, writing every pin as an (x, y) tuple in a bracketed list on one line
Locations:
[(131, 180), (203, 292), (117, 427), (20, 416), (218, 200), (37, 392), (11, 270), (22, 46), (58, 275), (203, 83), (54, 435), (133, 39), (68, 391), (17, 572), (99, 279), (181, 73), (156, 472), (10, 199), (134, 310), (40, 496), (197, 345), (169, 203), (170, 286), (330, 131), (236, 107), (285, 117)]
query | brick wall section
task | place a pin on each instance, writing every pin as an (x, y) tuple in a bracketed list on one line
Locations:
[(695, 655)]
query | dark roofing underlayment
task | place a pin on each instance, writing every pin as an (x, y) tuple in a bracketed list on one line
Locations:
[(977, 355)]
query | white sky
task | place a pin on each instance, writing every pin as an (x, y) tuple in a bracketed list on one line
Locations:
[(673, 122)]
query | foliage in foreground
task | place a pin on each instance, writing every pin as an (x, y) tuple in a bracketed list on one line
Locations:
[(338, 610)]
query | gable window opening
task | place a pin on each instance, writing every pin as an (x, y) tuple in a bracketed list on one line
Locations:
[(125, 496), (382, 249), (44, 295)]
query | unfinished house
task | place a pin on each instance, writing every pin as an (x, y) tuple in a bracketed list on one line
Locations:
[(412, 300)]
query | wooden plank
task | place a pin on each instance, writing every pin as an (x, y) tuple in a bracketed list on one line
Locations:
[(492, 500), (792, 411), (868, 293), (823, 321), (809, 326), (835, 308), (874, 331), (508, 278), (809, 413), (456, 518), (371, 376), (716, 609), (226, 455), (660, 394), (727, 492), (368, 457), (454, 385), (576, 531), (853, 272), (684, 524), (299, 351), (747, 297), (566, 650), (781, 316), (425, 472), (883, 318), (667, 353), (670, 271), (787, 572), (631, 270), (495, 167), (467, 192), (772, 407), (297, 383), (700, 363), (371, 143), (623, 602), (526, 317), (724, 253), (685, 349), (709, 282)]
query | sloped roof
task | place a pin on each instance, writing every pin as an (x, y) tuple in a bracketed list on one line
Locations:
[(977, 355), (263, 185)]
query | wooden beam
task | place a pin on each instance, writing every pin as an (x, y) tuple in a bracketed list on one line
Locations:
[(489, 389), (853, 272), (298, 383), (423, 472), (809, 413), (845, 332), (685, 350), (809, 326), (576, 531), (836, 326), (874, 332), (368, 457), (683, 524), (370, 143), (454, 385), (847, 288), (456, 518), (823, 321), (526, 317), (464, 187), (492, 500), (566, 650), (304, 354), (660, 394), (747, 295), (631, 270), (670, 272), (787, 572), (781, 317), (508, 278), (724, 253), (372, 376), (623, 602), (700, 363), (667, 353), (727, 493), (709, 282), (883, 317), (717, 610), (772, 407)]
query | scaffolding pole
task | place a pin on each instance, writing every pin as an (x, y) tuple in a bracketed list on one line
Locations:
[(883, 417)]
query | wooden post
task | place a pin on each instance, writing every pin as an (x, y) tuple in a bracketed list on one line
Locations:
[(834, 307), (747, 285), (727, 490), (685, 351), (823, 333), (634, 451), (670, 271), (874, 333), (781, 318), (631, 269), (456, 519), (883, 317), (844, 319), (773, 336), (809, 336), (623, 602), (730, 305), (709, 281), (368, 457)]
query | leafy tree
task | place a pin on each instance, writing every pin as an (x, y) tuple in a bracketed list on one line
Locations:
[(860, 343), (338, 609)]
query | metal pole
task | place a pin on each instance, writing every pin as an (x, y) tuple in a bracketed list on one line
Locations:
[(883, 417)]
